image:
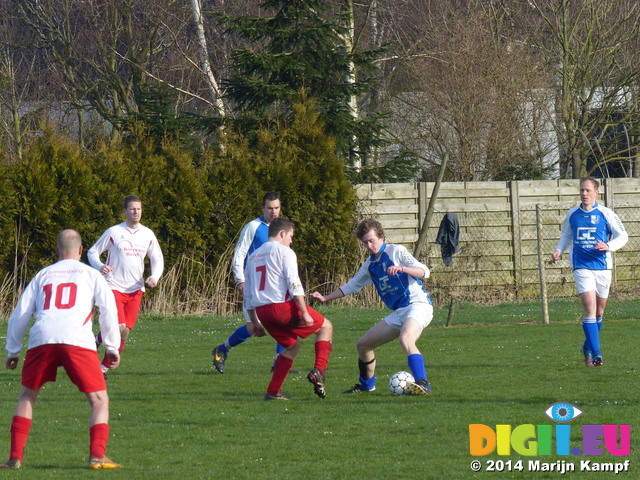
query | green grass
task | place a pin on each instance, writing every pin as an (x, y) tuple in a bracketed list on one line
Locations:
[(172, 417)]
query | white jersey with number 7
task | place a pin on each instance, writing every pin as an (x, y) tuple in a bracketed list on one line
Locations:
[(271, 276)]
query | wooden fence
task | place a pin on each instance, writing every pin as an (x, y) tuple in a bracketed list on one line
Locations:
[(501, 233)]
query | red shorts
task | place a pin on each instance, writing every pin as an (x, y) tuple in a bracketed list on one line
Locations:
[(128, 307), (284, 322), (81, 364)]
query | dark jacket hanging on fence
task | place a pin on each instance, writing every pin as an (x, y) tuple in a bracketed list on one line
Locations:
[(449, 237)]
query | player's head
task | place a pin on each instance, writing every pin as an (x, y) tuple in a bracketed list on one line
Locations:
[(132, 210), (281, 230), (589, 190), (270, 206), (371, 233), (69, 244)]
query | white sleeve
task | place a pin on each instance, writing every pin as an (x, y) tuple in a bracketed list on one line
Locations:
[(619, 236), (93, 255), (242, 248), (105, 301), (20, 318), (290, 262), (156, 258), (247, 293), (359, 280), (566, 237), (406, 259)]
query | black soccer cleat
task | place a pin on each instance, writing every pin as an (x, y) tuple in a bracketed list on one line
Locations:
[(218, 359), (358, 388), (315, 377)]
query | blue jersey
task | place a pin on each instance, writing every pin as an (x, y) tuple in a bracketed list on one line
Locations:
[(396, 291), (253, 236), (582, 229)]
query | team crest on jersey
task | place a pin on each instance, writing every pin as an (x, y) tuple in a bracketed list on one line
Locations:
[(595, 219)]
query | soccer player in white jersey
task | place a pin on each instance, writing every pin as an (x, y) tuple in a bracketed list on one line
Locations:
[(62, 297), (252, 236), (127, 244), (396, 275), (273, 292), (593, 232)]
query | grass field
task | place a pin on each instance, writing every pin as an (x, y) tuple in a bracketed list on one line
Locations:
[(173, 417)]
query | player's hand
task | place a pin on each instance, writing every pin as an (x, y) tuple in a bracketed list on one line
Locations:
[(600, 245), (307, 319), (151, 282), (105, 269), (555, 256), (114, 359), (395, 269), (240, 287), (318, 296), (258, 330), (11, 363)]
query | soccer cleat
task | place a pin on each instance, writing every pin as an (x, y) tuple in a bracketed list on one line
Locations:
[(318, 380), (357, 388), (597, 360), (218, 359), (13, 463), (588, 357), (104, 463), (278, 396), (421, 387)]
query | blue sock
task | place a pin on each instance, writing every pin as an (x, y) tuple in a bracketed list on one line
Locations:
[(369, 383), (599, 323), (592, 335), (240, 335), (416, 365), (279, 349)]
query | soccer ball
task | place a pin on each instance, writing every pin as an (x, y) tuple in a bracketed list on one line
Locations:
[(398, 383)]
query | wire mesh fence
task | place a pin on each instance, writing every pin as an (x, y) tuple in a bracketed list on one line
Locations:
[(505, 256)]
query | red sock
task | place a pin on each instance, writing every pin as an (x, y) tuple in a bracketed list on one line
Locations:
[(20, 427), (280, 371), (323, 350), (99, 436), (106, 362)]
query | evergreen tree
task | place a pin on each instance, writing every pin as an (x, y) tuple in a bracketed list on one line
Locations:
[(301, 49)]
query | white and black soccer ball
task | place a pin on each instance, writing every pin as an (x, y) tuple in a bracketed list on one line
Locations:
[(398, 383)]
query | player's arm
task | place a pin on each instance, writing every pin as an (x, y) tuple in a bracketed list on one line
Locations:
[(156, 260), (18, 322), (97, 249), (105, 301), (242, 249), (337, 293), (302, 305), (407, 263), (416, 272), (258, 329), (566, 237), (357, 283), (619, 236)]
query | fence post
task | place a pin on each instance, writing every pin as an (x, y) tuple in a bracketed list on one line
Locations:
[(541, 269), (516, 236)]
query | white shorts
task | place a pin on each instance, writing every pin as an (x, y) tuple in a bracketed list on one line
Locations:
[(422, 312), (593, 280)]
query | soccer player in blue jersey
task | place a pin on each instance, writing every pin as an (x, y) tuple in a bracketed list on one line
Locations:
[(252, 236), (396, 275), (593, 232)]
